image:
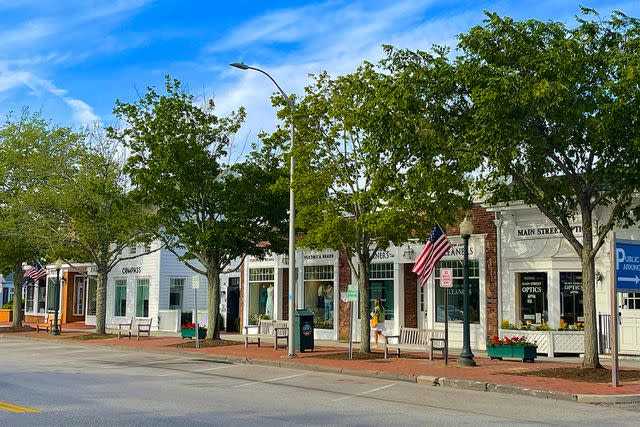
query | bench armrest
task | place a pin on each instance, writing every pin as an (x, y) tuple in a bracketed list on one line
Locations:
[(254, 327), (389, 337)]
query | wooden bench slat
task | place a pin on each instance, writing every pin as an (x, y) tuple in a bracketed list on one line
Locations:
[(415, 339)]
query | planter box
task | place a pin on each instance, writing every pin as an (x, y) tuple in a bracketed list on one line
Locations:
[(524, 352), (6, 314), (550, 342), (191, 333)]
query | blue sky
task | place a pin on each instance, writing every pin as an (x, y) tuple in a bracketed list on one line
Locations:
[(73, 58)]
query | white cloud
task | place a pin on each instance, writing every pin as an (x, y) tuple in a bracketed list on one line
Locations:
[(82, 112)]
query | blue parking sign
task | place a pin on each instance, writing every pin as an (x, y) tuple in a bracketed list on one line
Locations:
[(628, 265)]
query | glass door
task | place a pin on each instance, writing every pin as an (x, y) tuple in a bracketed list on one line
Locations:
[(78, 296)]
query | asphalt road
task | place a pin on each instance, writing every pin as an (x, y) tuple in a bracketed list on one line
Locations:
[(68, 384)]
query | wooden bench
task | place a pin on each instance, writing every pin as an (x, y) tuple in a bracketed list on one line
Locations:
[(143, 326), (413, 339), (125, 327), (47, 324), (267, 329)]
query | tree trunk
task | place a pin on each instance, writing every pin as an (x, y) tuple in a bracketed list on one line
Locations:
[(365, 306), (101, 301), (591, 358), (17, 293), (213, 279)]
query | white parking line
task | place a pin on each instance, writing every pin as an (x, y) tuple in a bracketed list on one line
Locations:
[(366, 392), (270, 380)]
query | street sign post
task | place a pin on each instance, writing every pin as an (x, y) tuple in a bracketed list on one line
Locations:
[(352, 296), (446, 282), (195, 284), (625, 277)]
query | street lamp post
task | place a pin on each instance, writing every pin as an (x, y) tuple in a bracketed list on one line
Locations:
[(292, 211), (466, 356), (55, 330)]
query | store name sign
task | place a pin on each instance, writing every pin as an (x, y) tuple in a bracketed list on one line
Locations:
[(131, 270), (319, 256), (542, 232), (458, 250)]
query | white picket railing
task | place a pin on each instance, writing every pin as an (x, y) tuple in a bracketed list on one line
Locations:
[(550, 342)]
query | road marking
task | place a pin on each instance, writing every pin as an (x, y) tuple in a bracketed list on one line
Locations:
[(10, 407), (366, 392), (170, 374), (213, 369), (270, 380)]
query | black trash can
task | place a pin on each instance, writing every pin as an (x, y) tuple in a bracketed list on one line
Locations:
[(303, 330)]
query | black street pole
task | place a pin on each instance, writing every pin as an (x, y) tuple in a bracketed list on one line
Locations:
[(55, 330), (466, 356)]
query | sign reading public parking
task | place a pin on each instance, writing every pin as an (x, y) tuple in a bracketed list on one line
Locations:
[(628, 265), (446, 277), (352, 293), (195, 282)]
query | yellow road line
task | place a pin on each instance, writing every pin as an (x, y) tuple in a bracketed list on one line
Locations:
[(6, 406)]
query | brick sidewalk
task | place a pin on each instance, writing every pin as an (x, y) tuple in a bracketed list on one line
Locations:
[(409, 365)]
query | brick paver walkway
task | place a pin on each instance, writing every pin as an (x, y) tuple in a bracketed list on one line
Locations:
[(489, 371)]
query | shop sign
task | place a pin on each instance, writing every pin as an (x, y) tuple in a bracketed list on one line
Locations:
[(457, 250), (384, 255), (92, 271), (628, 265), (570, 283), (318, 256), (131, 270), (524, 233)]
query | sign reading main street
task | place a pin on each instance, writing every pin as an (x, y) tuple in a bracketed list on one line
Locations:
[(628, 265)]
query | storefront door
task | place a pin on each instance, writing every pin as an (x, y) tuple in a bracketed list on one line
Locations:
[(629, 323)]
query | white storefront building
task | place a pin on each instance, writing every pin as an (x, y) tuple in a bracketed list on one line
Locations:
[(540, 275)]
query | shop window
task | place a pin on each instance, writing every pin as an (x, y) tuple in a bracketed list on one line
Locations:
[(631, 301), (31, 290), (78, 296), (147, 248), (121, 297), (142, 298), (91, 296), (261, 288), (42, 296), (176, 290), (532, 291), (318, 294), (381, 287), (133, 250), (455, 294), (571, 306), (51, 294)]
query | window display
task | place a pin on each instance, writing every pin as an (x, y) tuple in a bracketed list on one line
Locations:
[(532, 291), (381, 287), (261, 288), (318, 294), (571, 306), (455, 295)]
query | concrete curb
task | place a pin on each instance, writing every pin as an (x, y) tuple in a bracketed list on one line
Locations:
[(462, 384)]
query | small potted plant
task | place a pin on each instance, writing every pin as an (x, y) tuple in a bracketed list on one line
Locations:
[(517, 347), (188, 330)]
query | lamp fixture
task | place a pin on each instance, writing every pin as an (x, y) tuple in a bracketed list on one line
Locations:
[(466, 227)]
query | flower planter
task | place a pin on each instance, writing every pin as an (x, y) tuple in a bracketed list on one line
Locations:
[(6, 314), (551, 342), (191, 333), (524, 352)]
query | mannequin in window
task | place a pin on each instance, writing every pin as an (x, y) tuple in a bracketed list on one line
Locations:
[(328, 302), (269, 304), (320, 303)]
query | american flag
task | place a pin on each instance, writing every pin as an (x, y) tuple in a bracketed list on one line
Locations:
[(36, 272), (437, 246)]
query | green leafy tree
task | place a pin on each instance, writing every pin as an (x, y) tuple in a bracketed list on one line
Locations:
[(94, 216), (553, 114), (359, 184), (31, 150), (211, 212)]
